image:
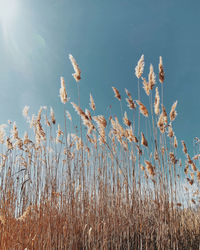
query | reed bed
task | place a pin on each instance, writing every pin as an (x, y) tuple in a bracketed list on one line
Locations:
[(104, 183)]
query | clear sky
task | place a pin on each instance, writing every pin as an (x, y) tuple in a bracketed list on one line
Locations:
[(107, 37)]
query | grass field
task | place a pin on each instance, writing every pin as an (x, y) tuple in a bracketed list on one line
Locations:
[(104, 183)]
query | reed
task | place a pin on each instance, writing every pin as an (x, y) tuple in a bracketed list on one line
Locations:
[(109, 188)]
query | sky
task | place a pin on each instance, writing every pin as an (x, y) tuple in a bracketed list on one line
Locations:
[(107, 38)]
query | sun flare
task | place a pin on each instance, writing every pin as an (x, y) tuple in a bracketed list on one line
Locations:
[(8, 11)]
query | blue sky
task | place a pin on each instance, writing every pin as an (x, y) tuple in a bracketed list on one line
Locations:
[(107, 38)]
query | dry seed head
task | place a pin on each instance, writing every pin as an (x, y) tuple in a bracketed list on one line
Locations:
[(68, 115), (193, 166), (175, 142), (100, 120), (9, 144), (40, 131), (92, 103), (59, 133), (77, 74), (86, 120), (152, 77), (87, 112), (63, 92), (146, 86), (18, 144), (161, 71), (186, 168), (25, 111), (184, 147), (129, 100), (150, 168), (26, 139), (117, 94), (170, 131), (39, 114), (131, 103), (79, 110), (131, 136), (160, 123), (2, 133), (173, 158), (33, 121), (189, 159), (157, 102), (143, 140), (126, 120), (173, 112), (164, 114), (143, 109), (53, 120), (128, 94), (140, 67), (14, 131), (47, 121)]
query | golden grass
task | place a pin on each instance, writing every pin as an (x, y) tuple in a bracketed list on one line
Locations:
[(108, 188)]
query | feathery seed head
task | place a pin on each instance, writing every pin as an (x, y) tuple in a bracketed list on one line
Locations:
[(161, 71), (92, 103), (157, 102), (140, 67), (77, 74), (152, 77), (63, 92), (143, 109), (146, 86), (53, 120), (126, 120), (117, 94), (173, 112), (143, 140), (25, 111)]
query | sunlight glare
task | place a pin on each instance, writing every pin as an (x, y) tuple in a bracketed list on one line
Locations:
[(8, 11)]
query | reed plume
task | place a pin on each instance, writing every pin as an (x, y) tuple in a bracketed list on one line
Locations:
[(157, 102), (126, 120), (173, 112), (25, 111), (143, 140), (143, 109), (92, 103), (117, 94), (140, 67), (53, 120), (146, 86), (77, 74), (161, 71), (152, 77), (63, 92)]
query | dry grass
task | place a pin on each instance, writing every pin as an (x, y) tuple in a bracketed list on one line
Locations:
[(113, 187)]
